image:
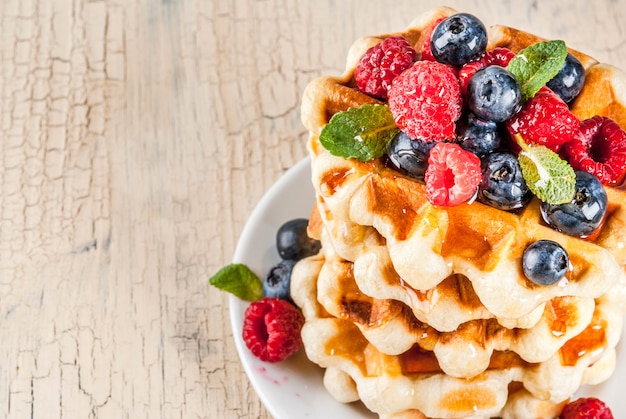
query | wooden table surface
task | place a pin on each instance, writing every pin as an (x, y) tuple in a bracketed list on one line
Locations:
[(136, 139)]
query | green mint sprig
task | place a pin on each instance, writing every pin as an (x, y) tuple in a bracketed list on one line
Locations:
[(238, 280), (548, 176), (361, 133), (536, 65)]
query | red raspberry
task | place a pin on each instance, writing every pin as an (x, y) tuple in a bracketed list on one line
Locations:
[(600, 149), (271, 329), (586, 408), (452, 176), (497, 56), (425, 101), (427, 54), (381, 64), (546, 120)]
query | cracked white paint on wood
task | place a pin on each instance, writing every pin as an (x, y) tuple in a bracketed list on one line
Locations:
[(135, 139)]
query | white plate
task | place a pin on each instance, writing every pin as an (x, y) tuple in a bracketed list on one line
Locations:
[(293, 388)]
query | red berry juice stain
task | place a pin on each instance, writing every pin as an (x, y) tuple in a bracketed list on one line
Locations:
[(263, 372), (285, 378)]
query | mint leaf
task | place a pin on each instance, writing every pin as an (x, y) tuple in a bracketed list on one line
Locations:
[(535, 65), (549, 177), (238, 280), (362, 133)]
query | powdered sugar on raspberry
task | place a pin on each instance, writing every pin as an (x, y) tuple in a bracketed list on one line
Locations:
[(381, 64), (425, 101)]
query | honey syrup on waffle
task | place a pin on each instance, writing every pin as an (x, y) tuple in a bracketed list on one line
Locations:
[(592, 341)]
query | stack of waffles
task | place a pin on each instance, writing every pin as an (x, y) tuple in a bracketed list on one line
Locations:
[(423, 311)]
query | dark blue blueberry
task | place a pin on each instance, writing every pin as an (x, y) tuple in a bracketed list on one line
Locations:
[(458, 39), (503, 185), (570, 80), (494, 94), (545, 262), (277, 282), (409, 156), (584, 213), (478, 136), (293, 242)]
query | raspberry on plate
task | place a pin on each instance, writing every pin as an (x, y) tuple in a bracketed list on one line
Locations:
[(453, 175), (586, 408), (600, 149), (425, 101), (271, 329), (545, 120), (381, 64)]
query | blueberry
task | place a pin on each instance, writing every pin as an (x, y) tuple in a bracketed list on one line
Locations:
[(409, 156), (503, 185), (277, 281), (584, 213), (458, 39), (478, 136), (494, 94), (293, 242), (545, 262), (570, 80)]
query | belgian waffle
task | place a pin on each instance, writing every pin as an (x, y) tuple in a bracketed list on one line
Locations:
[(423, 310), (415, 380)]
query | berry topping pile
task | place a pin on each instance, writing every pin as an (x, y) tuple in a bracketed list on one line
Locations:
[(272, 323), (506, 114)]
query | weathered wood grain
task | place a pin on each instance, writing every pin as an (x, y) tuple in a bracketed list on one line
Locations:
[(136, 138)]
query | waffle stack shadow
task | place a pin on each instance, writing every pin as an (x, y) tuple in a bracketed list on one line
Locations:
[(423, 311)]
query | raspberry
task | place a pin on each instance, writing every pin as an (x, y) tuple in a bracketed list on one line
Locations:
[(427, 53), (425, 101), (545, 120), (600, 149), (271, 329), (586, 408), (381, 64), (497, 56), (452, 176)]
